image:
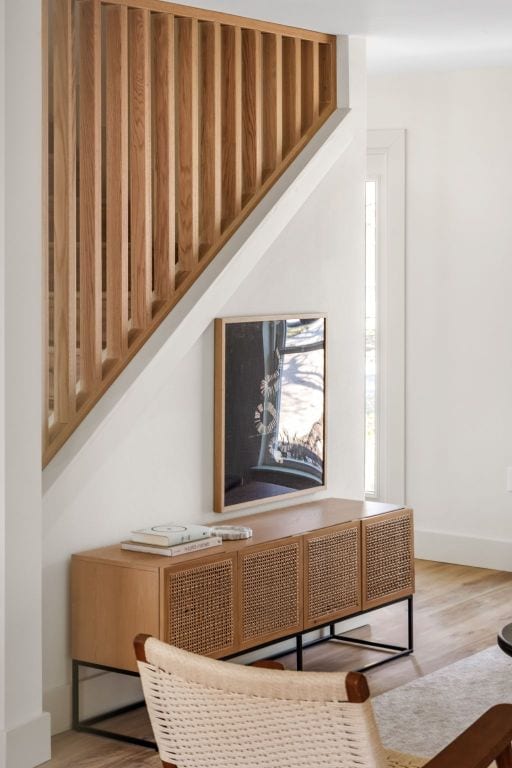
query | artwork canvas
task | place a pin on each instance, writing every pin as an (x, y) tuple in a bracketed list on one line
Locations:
[(269, 408)]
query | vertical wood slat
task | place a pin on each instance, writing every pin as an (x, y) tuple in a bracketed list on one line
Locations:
[(187, 121), (272, 101), (327, 75), (116, 92), (164, 211), (140, 167), (211, 137), (292, 98), (252, 149), (240, 93), (45, 224), (64, 216), (231, 123), (310, 83), (89, 109)]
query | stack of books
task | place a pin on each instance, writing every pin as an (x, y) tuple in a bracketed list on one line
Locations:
[(171, 539)]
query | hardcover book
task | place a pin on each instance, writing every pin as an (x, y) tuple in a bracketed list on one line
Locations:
[(170, 534), (177, 549)]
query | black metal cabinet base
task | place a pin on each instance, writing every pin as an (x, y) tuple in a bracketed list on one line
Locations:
[(394, 652)]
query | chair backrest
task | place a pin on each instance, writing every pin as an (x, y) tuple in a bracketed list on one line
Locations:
[(209, 713)]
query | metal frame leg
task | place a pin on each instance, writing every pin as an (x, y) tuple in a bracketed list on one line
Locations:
[(410, 623), (87, 726), (394, 651), (298, 651)]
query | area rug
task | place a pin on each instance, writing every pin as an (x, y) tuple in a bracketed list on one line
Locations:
[(423, 716)]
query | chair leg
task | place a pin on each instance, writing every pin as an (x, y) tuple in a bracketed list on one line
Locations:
[(168, 765), (505, 759)]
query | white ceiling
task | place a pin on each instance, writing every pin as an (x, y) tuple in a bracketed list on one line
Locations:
[(402, 34)]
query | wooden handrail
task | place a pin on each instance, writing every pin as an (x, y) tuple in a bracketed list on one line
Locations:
[(164, 126)]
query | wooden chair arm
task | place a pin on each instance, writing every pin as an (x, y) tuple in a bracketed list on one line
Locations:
[(488, 739), (267, 664)]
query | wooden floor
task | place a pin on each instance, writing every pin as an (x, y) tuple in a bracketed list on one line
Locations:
[(458, 611)]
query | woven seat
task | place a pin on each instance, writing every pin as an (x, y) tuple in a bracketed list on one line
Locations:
[(213, 714)]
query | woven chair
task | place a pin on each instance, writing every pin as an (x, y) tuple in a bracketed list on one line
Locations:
[(212, 714)]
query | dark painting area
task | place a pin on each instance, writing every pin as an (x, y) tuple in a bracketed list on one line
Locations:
[(274, 408)]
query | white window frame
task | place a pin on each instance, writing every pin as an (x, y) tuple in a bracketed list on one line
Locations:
[(386, 165)]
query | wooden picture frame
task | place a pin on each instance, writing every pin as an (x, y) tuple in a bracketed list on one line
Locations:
[(270, 405)]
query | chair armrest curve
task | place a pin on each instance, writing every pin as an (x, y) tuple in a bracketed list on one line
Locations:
[(487, 739)]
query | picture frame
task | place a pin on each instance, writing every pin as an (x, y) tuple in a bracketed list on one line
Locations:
[(270, 408)]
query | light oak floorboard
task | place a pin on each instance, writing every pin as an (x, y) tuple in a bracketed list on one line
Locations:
[(458, 611)]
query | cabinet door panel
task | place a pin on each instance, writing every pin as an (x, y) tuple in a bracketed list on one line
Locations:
[(199, 606), (270, 591), (388, 558), (332, 566)]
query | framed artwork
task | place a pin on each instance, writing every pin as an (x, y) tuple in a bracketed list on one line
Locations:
[(269, 408)]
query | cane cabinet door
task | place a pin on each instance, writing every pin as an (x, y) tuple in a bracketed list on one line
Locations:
[(199, 610), (270, 591), (332, 573), (388, 557)]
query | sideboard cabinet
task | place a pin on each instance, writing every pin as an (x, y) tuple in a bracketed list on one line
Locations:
[(306, 566)]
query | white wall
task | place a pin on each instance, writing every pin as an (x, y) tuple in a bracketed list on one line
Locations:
[(458, 318), (162, 463), (24, 729)]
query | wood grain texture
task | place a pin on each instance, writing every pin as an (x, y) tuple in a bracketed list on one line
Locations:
[(457, 611), (187, 122), (219, 415), (231, 124), (202, 14), (64, 211), (272, 102), (89, 110), (110, 605), (252, 111), (293, 520), (487, 739), (58, 438), (140, 167), (258, 586), (164, 211), (116, 111), (292, 97), (310, 83), (327, 74), (222, 168), (46, 408), (211, 137)]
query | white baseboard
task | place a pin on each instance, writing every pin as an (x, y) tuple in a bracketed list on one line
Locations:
[(100, 693), (463, 550), (27, 745)]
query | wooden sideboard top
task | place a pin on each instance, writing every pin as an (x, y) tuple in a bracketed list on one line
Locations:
[(266, 526)]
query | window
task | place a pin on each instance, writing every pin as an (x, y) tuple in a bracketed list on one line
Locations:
[(385, 317), (370, 469)]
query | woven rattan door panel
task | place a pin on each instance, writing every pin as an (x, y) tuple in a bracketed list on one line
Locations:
[(199, 610), (270, 578), (388, 557), (332, 573)]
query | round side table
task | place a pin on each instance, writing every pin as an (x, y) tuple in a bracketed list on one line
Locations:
[(505, 639)]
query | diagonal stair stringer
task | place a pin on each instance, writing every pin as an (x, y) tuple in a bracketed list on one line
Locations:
[(149, 370)]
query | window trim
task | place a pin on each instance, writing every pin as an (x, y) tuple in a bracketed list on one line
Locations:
[(386, 163)]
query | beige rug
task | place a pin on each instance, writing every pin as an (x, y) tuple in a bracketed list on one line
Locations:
[(423, 716)]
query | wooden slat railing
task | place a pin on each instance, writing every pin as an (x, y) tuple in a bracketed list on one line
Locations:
[(164, 126)]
